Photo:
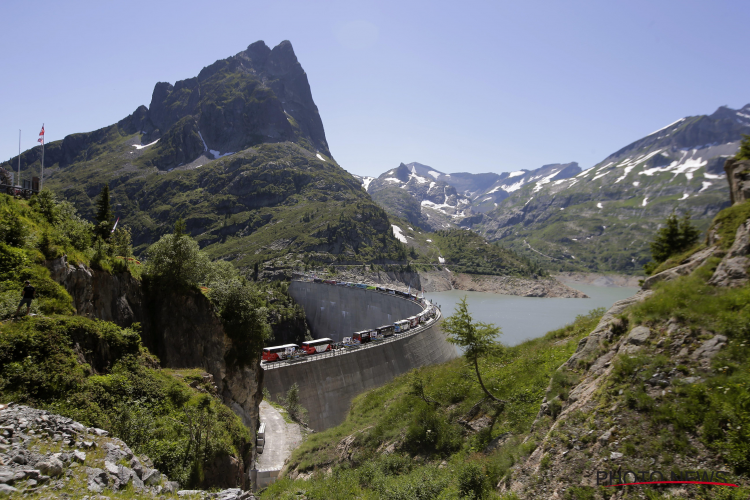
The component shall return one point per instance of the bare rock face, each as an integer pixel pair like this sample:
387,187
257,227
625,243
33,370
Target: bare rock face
732,270
99,295
738,175
686,267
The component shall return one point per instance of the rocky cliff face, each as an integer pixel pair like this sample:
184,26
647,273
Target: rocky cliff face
180,327
99,295
738,175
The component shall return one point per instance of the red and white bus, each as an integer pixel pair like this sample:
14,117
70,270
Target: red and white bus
316,346
279,352
413,321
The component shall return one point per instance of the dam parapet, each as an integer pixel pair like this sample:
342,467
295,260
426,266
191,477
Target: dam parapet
328,382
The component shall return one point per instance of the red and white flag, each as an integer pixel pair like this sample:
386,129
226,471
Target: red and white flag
41,135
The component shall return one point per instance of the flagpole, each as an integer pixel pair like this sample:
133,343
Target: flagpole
41,184
19,157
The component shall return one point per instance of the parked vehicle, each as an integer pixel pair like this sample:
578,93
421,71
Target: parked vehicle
316,346
385,330
279,352
401,326
363,337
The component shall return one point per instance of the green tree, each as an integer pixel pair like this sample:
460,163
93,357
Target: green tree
46,204
677,236
477,339
176,259
122,242
243,316
744,152
103,216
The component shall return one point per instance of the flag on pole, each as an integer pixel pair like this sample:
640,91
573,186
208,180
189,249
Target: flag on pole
115,226
41,136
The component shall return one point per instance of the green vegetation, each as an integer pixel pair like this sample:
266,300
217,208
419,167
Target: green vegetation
478,340
728,221
100,375
676,237
744,152
711,408
412,438
103,215
293,408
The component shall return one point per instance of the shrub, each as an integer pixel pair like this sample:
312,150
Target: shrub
472,482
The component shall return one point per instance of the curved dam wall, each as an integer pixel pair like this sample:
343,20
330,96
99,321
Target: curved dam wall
338,311
329,384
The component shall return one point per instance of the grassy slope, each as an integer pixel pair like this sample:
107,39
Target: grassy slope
254,206
423,436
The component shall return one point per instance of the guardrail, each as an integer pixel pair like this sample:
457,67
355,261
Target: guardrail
348,350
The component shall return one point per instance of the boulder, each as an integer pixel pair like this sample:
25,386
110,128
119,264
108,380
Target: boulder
151,477
710,347
638,335
6,489
50,467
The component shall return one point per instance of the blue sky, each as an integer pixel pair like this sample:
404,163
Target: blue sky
460,86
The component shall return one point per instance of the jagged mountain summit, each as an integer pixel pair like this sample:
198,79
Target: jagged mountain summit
239,152
436,200
259,95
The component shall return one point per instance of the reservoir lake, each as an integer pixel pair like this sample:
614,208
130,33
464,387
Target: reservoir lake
523,318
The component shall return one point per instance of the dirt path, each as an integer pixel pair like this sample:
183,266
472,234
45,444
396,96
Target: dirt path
281,438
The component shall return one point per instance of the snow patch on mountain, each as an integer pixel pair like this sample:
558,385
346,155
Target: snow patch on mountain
398,234
515,174
366,181
544,181
512,187
141,146
434,174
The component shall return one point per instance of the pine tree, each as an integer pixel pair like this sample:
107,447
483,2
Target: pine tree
103,214
677,236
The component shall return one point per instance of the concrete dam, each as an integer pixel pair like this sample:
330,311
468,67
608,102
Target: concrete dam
329,383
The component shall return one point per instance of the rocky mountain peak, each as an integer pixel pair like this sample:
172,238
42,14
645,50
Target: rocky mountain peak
259,95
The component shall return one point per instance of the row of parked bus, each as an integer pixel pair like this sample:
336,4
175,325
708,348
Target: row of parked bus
288,351
367,287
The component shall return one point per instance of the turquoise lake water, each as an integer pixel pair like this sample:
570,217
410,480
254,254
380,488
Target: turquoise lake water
523,318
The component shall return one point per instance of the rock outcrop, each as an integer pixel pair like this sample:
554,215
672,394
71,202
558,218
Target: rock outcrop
77,455
180,327
100,295
738,175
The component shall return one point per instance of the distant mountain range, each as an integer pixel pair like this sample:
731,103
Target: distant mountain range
599,219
